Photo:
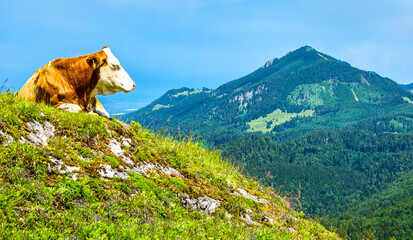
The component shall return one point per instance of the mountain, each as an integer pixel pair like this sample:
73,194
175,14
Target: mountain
79,176
407,87
313,126
300,92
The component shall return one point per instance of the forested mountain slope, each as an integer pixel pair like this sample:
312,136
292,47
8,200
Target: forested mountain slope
359,180
386,214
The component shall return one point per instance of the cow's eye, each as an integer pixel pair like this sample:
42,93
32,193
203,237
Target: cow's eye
116,67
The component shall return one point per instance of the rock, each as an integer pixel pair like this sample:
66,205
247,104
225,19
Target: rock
249,211
169,170
108,172
207,204
74,176
69,169
189,203
236,194
126,142
57,166
40,132
203,204
7,139
268,220
248,195
115,147
128,161
228,215
143,168
248,220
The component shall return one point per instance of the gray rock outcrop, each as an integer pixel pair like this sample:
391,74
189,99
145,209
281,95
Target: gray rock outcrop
40,132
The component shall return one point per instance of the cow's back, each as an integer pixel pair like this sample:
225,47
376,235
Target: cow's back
29,89
56,82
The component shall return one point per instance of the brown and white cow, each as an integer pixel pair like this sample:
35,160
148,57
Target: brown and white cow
72,84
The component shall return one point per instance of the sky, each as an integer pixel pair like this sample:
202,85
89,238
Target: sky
169,44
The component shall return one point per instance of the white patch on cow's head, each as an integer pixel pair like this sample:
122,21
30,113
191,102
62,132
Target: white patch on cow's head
113,78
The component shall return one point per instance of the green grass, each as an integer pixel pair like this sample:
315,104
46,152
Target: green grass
267,123
38,204
187,93
310,95
406,99
160,106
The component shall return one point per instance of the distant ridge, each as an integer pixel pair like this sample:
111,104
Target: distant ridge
407,87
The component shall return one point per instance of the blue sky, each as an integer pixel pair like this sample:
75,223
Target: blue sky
165,44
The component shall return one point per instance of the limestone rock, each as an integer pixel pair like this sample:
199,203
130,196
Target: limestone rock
208,205
248,220
7,139
203,204
40,132
108,172
248,195
169,171
128,161
126,142
115,147
291,229
58,166
268,220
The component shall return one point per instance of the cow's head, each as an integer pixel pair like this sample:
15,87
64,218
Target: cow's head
113,78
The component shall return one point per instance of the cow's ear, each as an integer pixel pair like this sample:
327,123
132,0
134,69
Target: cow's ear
93,62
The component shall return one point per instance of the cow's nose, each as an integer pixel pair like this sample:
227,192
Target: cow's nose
133,87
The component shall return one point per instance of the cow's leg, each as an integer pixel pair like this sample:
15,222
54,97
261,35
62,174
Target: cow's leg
99,109
70,107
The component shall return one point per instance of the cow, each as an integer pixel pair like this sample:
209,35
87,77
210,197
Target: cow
71,84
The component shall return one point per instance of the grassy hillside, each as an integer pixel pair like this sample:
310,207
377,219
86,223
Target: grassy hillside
79,176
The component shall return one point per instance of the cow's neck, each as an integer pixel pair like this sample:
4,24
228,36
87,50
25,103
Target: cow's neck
83,84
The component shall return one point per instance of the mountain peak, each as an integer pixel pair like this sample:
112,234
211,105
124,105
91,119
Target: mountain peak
305,49
301,50
269,63
305,53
